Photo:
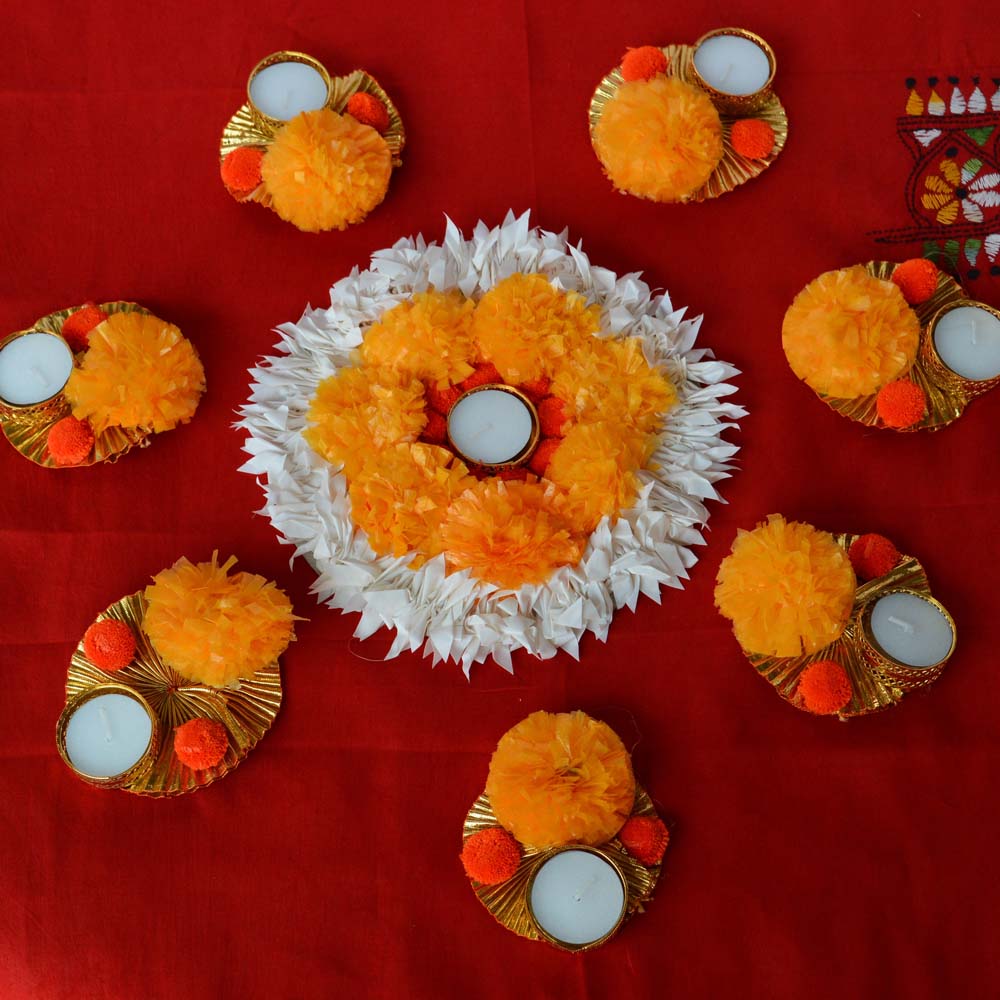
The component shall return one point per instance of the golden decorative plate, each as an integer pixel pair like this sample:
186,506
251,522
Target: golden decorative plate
27,428
872,693
247,711
947,396
734,169
508,901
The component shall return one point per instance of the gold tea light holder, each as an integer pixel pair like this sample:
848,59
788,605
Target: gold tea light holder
947,393
510,902
247,710
878,681
526,452
733,169
27,426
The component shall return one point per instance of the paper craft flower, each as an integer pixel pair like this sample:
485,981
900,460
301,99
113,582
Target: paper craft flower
491,856
846,334
966,188
787,587
659,139
201,743
561,779
348,430
214,628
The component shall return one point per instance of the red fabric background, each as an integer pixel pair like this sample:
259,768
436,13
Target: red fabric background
810,858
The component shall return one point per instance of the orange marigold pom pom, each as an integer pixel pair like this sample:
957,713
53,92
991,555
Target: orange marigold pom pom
485,374
659,139
872,556
552,416
70,441
752,138
901,404
109,644
436,431
543,455
442,400
77,326
644,62
368,110
848,333
645,838
240,170
917,279
491,856
561,779
201,743
536,389
824,687
787,587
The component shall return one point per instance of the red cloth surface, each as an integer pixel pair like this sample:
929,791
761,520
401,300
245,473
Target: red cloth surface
809,858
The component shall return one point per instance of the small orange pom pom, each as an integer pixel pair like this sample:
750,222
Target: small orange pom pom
485,374
537,389
241,170
436,431
872,556
368,110
901,404
643,62
752,138
917,279
491,856
442,400
109,644
824,688
70,441
645,838
552,416
543,455
201,743
77,326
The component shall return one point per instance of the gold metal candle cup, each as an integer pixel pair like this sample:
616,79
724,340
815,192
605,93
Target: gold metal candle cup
525,453
266,123
586,945
55,402
140,767
738,105
943,375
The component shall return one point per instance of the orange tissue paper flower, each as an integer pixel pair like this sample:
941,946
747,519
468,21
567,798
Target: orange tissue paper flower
215,628
787,587
360,411
526,326
109,644
917,279
847,333
368,110
561,779
872,556
643,62
659,139
326,171
901,404
70,441
824,687
485,373
510,533
752,138
77,325
645,838
491,856
426,337
139,372
201,743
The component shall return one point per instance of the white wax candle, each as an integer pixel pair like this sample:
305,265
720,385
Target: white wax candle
968,341
286,89
911,630
490,426
577,897
107,734
732,64
34,368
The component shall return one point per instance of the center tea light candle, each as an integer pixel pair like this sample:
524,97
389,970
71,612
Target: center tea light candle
967,340
912,630
34,367
493,425
577,898
282,88
736,67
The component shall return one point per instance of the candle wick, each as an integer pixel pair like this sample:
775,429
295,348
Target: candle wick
106,723
904,625
972,325
725,76
38,374
482,431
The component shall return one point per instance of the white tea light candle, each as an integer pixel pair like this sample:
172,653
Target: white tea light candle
911,630
286,89
491,426
33,368
732,64
577,897
108,734
967,340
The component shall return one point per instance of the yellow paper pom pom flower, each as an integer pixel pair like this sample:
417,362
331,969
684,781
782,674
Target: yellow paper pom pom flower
213,628
846,334
787,587
401,497
561,779
659,139
510,533
326,171
427,337
527,327
359,411
138,371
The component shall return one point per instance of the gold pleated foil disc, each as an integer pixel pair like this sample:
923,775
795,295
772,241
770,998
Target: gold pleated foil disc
247,712
733,169
508,901
27,428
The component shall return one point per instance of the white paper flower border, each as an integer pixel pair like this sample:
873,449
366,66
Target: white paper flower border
453,616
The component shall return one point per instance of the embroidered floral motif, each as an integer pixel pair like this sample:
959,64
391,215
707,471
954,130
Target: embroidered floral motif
954,187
